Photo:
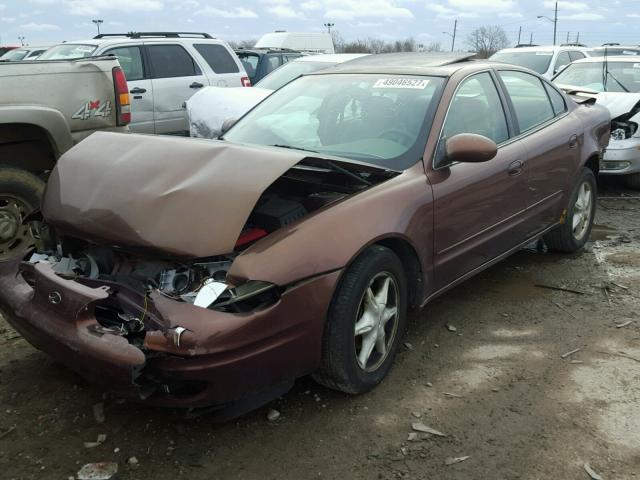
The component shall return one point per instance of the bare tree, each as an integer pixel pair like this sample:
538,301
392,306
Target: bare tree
486,41
242,43
433,47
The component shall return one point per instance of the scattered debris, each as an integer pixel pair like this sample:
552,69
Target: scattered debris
621,354
429,384
620,325
7,432
408,346
454,395
568,354
619,286
404,451
505,315
421,427
98,412
576,362
496,390
592,473
564,309
100,440
273,415
606,294
133,462
412,437
559,289
416,414
454,460
451,328
98,471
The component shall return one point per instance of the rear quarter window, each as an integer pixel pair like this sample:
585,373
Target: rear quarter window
168,61
557,100
217,57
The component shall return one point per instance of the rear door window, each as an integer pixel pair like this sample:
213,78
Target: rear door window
529,98
273,62
249,62
217,57
563,60
168,61
130,59
575,55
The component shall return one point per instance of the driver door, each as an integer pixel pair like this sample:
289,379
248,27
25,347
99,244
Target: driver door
478,207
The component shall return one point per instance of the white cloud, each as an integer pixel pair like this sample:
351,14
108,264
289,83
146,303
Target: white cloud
235,12
95,7
633,15
39,27
566,5
352,9
481,4
311,5
8,19
583,17
2,6
514,15
448,13
284,11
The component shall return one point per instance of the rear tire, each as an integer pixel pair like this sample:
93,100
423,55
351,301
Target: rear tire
632,181
365,323
20,194
574,232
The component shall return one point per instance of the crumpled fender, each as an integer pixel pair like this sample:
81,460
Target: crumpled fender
331,237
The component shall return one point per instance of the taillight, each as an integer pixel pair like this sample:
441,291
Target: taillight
123,107
245,81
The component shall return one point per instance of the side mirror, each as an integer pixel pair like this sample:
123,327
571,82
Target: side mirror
226,125
470,148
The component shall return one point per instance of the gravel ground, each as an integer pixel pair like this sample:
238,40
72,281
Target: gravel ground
498,387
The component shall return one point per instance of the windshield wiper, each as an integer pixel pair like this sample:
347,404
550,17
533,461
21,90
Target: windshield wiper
617,81
335,167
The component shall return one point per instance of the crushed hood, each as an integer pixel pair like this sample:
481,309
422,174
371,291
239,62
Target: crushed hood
182,196
618,103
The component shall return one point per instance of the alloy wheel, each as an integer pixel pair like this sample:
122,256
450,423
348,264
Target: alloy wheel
582,211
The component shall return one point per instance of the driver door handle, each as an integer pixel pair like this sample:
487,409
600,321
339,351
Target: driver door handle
515,168
138,90
573,141
196,85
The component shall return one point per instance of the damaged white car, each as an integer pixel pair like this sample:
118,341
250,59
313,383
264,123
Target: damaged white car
615,83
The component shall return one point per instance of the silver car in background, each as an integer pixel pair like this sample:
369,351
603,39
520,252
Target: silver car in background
615,83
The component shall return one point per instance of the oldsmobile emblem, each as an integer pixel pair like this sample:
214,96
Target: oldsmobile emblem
55,298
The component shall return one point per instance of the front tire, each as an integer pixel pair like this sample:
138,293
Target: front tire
365,323
20,195
574,232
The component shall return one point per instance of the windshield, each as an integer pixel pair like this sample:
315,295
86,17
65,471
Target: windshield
288,72
622,76
15,55
381,119
536,61
68,51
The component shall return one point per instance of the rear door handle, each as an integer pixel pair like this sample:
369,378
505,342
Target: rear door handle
515,168
196,85
573,141
138,90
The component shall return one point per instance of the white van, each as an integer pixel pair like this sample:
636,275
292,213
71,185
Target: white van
303,42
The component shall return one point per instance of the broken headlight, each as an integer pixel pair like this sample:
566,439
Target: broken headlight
622,129
252,295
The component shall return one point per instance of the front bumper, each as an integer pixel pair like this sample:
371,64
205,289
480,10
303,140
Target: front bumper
621,157
220,358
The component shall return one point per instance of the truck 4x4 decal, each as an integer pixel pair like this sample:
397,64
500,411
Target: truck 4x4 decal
93,109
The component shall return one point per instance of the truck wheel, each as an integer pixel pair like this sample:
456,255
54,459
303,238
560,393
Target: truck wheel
633,181
20,195
365,323
574,232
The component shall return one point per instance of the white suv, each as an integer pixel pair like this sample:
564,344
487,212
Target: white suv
547,61
163,70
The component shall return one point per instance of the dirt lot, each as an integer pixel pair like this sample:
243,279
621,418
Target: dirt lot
498,387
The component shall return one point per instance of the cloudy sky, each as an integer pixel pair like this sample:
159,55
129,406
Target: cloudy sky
50,21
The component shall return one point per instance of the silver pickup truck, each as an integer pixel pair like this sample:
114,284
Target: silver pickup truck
46,107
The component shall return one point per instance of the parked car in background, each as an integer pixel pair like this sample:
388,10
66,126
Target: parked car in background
45,109
260,62
614,49
23,53
211,107
304,42
163,70
615,83
195,272
546,61
5,48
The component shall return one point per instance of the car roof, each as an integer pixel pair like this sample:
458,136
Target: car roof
542,48
98,42
330,58
611,58
265,50
408,63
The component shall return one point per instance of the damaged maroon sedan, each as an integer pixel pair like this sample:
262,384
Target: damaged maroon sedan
192,272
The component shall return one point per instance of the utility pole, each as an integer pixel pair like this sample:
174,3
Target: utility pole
578,38
329,25
531,39
519,34
455,29
567,37
555,24
97,21
21,41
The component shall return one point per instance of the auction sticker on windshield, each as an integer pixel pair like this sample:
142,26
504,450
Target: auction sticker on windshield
401,83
